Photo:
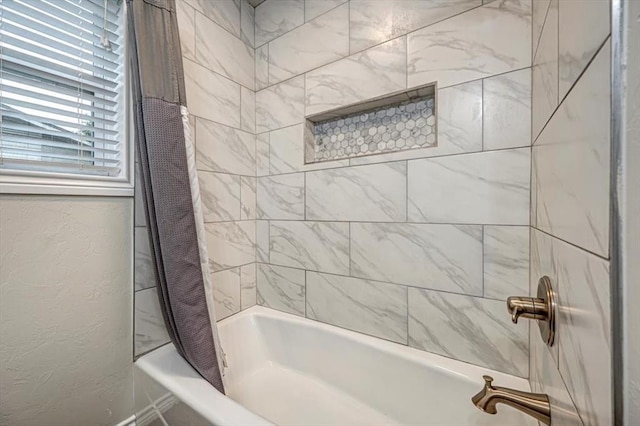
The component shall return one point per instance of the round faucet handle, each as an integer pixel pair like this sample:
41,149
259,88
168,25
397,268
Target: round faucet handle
487,380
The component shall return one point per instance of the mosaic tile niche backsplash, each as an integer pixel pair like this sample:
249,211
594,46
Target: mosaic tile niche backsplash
400,126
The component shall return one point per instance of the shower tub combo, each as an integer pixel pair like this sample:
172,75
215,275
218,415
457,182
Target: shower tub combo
287,370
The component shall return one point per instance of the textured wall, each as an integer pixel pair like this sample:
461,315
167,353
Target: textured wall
570,205
419,247
65,310
218,55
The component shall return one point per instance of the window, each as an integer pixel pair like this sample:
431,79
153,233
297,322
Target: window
62,86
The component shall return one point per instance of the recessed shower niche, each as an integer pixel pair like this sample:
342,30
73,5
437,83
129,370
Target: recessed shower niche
397,122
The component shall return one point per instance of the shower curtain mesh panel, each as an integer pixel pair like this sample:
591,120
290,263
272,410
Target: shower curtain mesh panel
158,94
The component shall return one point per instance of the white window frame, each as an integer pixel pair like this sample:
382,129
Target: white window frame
26,182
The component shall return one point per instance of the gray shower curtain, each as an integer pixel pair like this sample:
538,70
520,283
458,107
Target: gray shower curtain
169,185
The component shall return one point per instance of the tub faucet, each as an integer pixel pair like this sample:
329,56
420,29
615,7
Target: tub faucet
533,404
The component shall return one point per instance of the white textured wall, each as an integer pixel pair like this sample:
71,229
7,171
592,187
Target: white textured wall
65,310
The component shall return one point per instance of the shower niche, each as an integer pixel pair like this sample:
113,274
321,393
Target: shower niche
397,122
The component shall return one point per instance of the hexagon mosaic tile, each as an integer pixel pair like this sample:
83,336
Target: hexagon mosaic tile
407,125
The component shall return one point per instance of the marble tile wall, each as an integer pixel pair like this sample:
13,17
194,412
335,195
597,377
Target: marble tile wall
217,39
388,245
570,205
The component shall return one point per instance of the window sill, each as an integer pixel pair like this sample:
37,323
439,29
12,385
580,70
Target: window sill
57,187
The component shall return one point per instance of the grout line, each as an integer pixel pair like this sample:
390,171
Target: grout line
375,46
558,57
373,222
399,160
482,98
482,241
348,27
407,316
350,271
217,72
222,124
305,294
390,93
218,25
390,283
549,234
544,21
553,113
406,191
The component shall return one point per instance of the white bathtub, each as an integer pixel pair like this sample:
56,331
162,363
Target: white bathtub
288,370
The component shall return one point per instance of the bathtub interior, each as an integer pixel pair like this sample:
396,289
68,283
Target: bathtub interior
294,371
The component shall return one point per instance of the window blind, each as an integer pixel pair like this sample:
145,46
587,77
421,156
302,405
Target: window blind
61,75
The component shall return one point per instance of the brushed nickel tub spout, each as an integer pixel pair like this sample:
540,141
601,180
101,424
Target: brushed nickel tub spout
534,404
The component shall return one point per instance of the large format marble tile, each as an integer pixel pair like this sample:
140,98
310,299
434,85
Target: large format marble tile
210,95
281,197
571,160
280,105
313,8
482,42
539,10
544,73
490,187
247,23
318,246
442,257
225,13
460,118
286,152
150,331
224,53
281,288
318,42
276,17
583,27
545,378
248,286
376,193
220,194
506,107
230,244
262,67
459,126
220,148
262,154
186,26
262,241
286,149
581,282
376,21
247,110
248,198
226,292
468,328
143,263
369,74
506,261
374,308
